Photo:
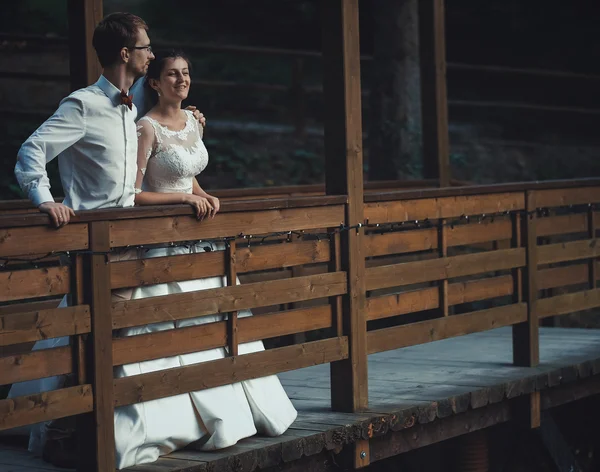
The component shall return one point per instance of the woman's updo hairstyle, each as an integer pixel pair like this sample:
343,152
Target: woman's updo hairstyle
158,64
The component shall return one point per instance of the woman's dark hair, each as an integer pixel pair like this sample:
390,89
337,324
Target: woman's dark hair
158,64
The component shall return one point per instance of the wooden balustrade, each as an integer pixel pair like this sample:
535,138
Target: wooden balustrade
453,275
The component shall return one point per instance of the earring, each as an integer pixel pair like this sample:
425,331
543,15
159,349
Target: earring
158,92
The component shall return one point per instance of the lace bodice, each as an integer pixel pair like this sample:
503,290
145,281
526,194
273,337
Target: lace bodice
172,158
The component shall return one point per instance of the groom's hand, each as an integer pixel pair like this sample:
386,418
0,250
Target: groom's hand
59,213
199,116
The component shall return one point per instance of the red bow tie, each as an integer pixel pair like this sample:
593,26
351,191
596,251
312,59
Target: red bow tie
126,99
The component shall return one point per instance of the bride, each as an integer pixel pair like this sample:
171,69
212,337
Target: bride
170,154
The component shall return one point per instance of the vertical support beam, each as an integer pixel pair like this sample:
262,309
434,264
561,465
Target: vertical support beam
84,15
78,298
434,97
344,175
526,343
96,431
592,270
517,274
335,265
232,317
443,252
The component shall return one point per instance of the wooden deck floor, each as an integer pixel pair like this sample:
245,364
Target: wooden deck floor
466,380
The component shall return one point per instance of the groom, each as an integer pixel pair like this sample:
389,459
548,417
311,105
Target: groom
93,134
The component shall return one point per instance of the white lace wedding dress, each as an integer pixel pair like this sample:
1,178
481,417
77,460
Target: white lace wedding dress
218,417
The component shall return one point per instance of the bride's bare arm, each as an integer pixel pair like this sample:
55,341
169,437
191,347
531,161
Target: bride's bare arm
201,205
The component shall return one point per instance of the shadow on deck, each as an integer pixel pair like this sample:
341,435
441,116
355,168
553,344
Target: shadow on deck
418,395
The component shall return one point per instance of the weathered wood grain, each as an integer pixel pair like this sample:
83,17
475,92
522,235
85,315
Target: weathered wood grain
428,298
568,303
36,365
170,382
30,409
169,343
31,283
444,207
182,228
568,251
43,324
224,299
443,268
566,196
42,240
434,330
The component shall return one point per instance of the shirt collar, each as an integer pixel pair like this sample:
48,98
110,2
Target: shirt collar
109,89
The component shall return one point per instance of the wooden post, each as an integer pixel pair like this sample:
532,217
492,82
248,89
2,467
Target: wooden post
434,99
232,317
335,265
84,15
593,273
78,298
526,345
344,175
96,432
443,252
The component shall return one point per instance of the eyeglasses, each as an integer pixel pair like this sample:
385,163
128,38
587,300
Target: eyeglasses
147,48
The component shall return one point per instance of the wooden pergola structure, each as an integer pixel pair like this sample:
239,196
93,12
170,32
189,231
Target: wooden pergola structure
385,254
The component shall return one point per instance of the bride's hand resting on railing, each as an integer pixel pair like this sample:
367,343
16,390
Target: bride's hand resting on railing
201,205
216,205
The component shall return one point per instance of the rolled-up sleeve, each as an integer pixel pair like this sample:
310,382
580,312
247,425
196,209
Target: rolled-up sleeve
63,129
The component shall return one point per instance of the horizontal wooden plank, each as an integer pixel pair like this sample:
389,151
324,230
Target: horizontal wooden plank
563,276
444,207
568,251
181,228
400,242
158,270
36,365
26,307
428,298
191,378
447,327
31,409
42,240
43,324
22,284
213,335
274,256
425,239
568,303
160,211
225,299
209,264
443,268
563,224
567,196
480,189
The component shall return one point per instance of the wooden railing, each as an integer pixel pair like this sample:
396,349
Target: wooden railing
429,253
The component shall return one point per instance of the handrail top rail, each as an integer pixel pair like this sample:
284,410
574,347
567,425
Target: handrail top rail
86,216
259,193
415,194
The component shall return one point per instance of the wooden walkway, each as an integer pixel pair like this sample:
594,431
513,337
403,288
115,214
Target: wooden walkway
466,382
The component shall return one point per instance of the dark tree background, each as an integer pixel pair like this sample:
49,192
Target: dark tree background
251,137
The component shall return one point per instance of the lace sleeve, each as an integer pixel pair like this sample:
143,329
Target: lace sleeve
146,142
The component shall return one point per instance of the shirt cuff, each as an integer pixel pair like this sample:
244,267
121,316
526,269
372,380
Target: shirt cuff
40,195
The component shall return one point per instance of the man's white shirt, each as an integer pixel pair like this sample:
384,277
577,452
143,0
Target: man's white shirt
95,139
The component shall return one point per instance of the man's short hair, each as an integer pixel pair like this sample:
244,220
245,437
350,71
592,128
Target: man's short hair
114,32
